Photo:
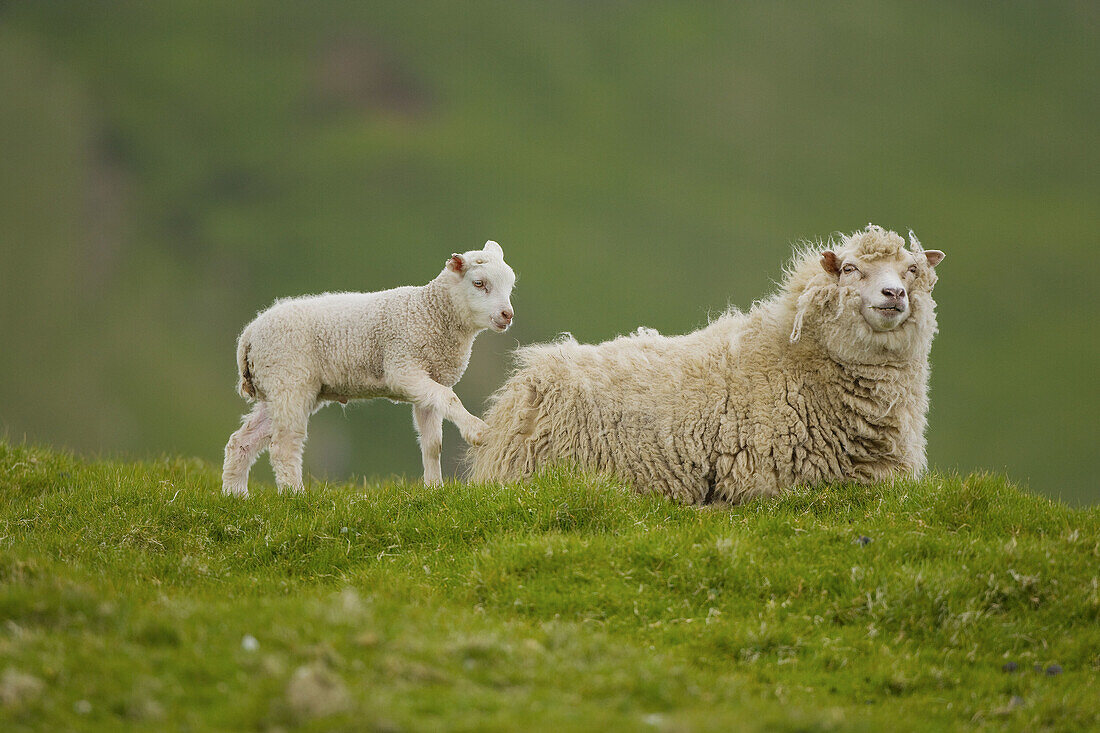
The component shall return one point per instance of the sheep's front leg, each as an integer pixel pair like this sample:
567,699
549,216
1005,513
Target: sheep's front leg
423,391
429,428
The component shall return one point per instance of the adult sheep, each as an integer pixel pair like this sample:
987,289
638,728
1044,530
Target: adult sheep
826,380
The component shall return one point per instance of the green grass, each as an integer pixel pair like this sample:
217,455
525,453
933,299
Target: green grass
126,590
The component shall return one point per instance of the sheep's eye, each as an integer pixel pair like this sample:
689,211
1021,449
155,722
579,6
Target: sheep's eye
850,268
913,269
479,284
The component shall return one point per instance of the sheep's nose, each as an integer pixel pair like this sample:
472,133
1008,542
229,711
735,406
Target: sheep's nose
895,293
506,316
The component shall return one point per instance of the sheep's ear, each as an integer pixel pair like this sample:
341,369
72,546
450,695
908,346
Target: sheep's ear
830,263
457,263
934,256
494,248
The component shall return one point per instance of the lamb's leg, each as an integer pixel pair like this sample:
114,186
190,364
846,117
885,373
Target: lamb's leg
424,391
242,449
429,428
289,419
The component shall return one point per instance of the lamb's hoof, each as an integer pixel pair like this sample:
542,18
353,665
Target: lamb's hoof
240,491
292,490
478,434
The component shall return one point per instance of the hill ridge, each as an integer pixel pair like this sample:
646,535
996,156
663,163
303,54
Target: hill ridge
134,593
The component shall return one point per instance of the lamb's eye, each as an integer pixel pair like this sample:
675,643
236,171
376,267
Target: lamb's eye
480,284
912,269
850,268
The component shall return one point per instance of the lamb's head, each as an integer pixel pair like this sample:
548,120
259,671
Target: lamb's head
482,285
873,293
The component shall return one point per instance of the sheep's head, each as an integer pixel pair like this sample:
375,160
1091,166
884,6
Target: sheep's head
884,286
483,283
877,265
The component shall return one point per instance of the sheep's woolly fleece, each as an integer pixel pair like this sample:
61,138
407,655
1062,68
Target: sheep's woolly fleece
799,390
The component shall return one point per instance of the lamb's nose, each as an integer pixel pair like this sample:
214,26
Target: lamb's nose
506,315
895,293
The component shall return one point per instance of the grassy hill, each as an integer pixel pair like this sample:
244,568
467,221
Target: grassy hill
134,593
171,168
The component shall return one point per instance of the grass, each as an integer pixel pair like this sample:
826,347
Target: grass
135,594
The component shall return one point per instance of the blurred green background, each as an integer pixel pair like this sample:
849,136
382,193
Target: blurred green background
171,168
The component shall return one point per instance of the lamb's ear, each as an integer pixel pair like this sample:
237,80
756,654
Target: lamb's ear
457,263
934,256
830,263
494,248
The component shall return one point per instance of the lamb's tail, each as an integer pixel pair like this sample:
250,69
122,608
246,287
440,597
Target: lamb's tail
246,388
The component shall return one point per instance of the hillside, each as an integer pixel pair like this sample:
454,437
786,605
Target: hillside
134,593
171,168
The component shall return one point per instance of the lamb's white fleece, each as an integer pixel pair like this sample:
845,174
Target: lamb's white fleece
409,344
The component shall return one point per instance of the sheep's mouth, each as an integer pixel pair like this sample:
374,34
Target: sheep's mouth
498,326
886,317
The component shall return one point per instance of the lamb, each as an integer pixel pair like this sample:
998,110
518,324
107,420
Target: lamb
408,344
827,380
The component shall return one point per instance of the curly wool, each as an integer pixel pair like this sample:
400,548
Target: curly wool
799,390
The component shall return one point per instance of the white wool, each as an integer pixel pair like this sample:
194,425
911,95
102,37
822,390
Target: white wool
408,344
824,381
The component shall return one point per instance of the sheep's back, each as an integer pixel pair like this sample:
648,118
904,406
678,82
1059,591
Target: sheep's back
332,340
645,407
